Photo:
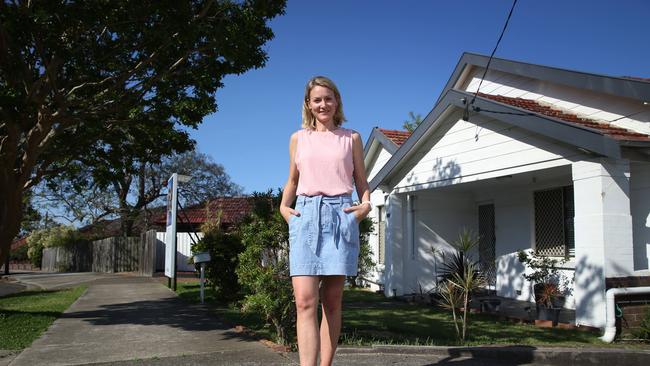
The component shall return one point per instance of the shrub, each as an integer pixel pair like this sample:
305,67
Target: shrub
643,332
224,249
263,268
365,263
58,236
461,277
19,254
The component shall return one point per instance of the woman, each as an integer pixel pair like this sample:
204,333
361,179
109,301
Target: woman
325,159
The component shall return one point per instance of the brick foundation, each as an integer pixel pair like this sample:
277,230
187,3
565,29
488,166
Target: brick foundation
633,306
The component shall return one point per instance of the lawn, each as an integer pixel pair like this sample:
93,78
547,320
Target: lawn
370,318
26,315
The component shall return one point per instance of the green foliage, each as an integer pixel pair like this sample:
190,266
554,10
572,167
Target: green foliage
224,249
413,122
19,254
643,332
113,86
58,236
365,263
264,266
461,277
544,269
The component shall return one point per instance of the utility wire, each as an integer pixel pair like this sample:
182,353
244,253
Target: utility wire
494,50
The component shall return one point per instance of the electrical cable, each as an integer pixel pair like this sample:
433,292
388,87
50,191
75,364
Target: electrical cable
487,67
503,31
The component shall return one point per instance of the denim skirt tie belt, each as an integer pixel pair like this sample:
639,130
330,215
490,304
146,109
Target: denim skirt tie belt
323,238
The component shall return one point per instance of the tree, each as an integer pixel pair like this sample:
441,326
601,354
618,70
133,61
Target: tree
413,122
75,75
99,191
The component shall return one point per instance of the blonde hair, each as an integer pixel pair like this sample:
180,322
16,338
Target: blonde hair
308,119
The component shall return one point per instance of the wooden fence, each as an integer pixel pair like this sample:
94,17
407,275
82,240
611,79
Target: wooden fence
144,255
75,258
117,254
147,259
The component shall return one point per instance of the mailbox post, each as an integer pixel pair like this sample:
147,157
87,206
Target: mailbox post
202,258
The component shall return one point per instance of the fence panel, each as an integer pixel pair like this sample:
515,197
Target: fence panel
183,250
127,254
74,258
104,255
148,254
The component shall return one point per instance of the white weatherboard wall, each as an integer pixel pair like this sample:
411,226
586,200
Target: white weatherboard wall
603,233
438,219
622,112
481,149
640,206
382,157
394,269
183,250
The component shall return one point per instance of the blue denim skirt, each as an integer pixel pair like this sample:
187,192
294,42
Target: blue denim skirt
323,240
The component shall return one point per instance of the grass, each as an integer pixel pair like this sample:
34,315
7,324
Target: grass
370,318
392,322
26,315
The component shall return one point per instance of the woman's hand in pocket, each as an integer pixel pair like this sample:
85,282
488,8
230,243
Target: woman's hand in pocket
359,211
287,212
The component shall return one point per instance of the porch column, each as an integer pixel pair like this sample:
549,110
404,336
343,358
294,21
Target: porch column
603,233
393,260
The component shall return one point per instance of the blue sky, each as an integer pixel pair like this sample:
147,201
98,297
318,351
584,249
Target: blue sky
392,57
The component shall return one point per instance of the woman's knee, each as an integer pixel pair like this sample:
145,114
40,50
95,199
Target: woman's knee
306,302
331,300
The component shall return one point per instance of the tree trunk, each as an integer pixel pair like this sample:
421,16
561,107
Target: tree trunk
11,213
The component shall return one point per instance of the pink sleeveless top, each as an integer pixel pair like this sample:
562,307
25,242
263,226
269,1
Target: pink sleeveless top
324,161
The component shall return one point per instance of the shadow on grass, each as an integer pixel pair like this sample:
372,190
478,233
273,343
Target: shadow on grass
395,322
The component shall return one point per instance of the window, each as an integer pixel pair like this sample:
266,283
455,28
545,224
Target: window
554,212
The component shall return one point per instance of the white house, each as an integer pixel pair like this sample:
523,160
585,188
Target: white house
542,158
381,145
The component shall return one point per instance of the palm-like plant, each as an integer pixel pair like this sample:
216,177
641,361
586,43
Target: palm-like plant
461,277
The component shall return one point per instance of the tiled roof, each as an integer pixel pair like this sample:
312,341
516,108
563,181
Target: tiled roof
397,136
647,80
233,210
18,243
614,132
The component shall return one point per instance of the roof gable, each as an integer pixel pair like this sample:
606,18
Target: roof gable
635,88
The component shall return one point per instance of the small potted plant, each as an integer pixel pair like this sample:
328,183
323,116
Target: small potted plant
544,276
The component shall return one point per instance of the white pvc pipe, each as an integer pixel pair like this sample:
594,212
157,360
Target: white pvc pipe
610,319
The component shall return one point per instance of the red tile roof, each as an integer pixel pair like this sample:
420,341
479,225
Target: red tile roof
614,132
18,243
647,80
233,210
397,136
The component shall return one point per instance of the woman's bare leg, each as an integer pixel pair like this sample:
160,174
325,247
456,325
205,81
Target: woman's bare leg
305,291
330,328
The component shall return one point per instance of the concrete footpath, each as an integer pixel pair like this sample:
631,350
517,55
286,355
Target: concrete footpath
130,319
125,320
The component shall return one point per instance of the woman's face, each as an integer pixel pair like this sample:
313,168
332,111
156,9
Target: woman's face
322,103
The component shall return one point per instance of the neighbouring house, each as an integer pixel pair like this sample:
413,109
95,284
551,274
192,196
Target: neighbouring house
381,145
229,211
542,159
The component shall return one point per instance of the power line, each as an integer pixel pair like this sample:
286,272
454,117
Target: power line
487,67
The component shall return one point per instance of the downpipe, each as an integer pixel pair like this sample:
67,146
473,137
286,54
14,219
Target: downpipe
610,314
